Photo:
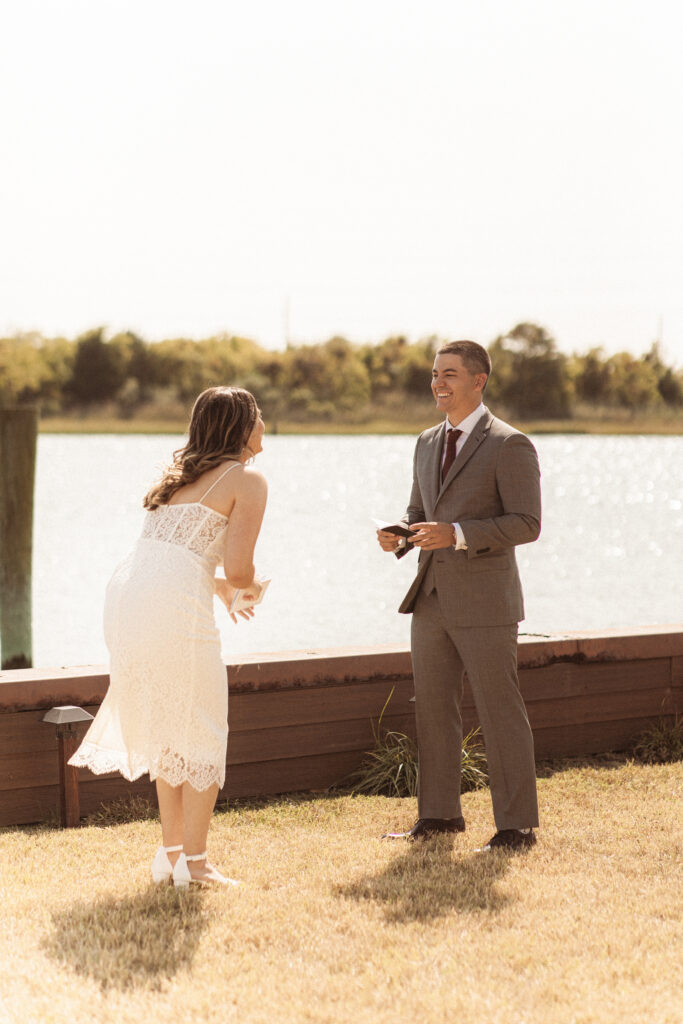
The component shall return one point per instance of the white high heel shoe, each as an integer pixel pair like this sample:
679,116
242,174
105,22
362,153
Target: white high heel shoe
162,869
182,877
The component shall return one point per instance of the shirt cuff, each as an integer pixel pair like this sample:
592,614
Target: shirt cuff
460,542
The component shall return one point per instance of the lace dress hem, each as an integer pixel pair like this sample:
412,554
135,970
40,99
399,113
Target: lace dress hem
171,768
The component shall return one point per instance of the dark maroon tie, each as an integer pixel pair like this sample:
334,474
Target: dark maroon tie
449,458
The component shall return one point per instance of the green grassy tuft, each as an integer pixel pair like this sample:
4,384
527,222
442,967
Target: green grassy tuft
662,743
391,767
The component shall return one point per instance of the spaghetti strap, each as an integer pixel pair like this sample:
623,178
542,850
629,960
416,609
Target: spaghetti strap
218,480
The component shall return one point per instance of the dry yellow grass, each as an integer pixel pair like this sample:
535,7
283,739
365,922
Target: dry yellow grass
332,924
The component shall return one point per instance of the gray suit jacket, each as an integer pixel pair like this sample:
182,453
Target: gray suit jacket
493,491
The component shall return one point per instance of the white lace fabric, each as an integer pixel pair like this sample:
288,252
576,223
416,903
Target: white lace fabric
171,767
165,711
192,526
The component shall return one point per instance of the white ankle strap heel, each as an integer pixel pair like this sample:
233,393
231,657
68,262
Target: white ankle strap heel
182,876
161,865
181,873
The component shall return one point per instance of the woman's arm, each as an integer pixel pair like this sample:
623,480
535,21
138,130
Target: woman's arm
244,526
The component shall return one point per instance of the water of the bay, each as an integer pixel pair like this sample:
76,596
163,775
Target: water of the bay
610,554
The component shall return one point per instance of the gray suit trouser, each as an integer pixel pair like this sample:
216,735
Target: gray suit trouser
441,655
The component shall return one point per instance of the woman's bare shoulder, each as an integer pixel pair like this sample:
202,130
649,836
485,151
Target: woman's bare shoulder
244,482
253,481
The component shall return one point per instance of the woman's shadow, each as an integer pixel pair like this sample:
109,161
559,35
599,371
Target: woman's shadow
427,882
143,939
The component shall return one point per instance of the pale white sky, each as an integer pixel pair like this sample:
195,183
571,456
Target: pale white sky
380,166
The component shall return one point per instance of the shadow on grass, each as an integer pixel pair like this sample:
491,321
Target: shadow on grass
426,882
141,940
611,761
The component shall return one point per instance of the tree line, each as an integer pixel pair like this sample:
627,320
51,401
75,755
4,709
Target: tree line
127,375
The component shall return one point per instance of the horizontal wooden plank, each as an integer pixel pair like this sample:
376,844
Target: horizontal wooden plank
595,708
588,738
274,709
100,790
287,776
25,731
28,689
25,806
677,679
38,768
603,645
565,679
26,770
41,803
20,770
306,740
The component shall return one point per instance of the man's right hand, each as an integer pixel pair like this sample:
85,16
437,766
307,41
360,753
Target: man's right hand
388,541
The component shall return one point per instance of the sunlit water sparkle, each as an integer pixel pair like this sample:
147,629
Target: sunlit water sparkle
610,554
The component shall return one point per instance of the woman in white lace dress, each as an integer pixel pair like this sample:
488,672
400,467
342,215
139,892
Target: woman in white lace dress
166,708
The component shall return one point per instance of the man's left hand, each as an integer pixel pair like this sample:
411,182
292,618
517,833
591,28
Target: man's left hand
431,536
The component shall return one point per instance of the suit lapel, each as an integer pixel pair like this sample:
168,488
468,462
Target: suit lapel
481,429
433,466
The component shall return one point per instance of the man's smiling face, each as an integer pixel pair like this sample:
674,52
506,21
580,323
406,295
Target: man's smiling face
457,392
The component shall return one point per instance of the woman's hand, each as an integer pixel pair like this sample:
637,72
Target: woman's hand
227,593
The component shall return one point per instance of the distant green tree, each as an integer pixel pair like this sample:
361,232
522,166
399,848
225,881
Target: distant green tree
348,375
57,356
135,359
99,369
529,375
633,382
189,366
669,383
592,378
20,369
416,372
320,379
670,387
384,364
171,362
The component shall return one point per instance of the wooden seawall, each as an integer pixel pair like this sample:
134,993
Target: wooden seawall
302,720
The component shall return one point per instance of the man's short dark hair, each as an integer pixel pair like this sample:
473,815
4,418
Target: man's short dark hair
475,357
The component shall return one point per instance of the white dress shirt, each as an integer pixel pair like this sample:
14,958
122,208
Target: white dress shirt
466,427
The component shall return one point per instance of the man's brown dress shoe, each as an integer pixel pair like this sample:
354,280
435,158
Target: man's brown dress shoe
509,839
424,827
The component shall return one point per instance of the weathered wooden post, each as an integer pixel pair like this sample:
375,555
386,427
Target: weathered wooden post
18,436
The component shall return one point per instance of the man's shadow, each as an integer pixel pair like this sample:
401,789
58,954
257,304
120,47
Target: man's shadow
425,882
121,943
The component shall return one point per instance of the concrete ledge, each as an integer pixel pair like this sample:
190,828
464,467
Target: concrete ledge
302,719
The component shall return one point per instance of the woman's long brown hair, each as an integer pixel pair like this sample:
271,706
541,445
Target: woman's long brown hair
222,420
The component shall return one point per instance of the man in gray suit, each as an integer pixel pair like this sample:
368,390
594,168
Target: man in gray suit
475,497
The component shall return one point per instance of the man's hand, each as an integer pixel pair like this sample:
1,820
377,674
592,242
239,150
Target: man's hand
388,541
431,536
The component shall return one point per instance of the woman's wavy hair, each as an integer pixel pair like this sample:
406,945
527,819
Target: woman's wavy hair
222,420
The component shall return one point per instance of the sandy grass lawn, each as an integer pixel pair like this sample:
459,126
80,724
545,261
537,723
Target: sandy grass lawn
332,924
